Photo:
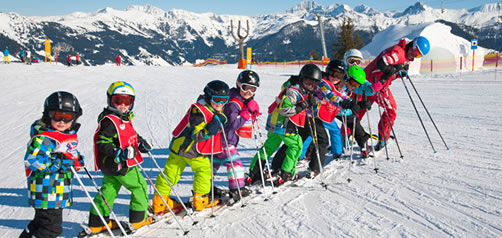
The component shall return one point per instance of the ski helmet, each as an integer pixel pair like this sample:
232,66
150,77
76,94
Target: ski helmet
61,101
421,46
352,53
312,72
216,88
249,77
120,87
335,65
357,74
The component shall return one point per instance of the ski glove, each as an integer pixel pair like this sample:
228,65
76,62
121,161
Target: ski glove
377,86
299,107
245,114
253,108
215,125
365,104
128,153
347,103
144,146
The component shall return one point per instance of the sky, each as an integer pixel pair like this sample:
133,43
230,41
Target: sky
253,8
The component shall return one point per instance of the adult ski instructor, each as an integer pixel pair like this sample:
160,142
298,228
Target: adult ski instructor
390,64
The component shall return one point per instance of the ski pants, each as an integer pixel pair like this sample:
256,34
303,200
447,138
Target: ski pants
6,59
236,170
47,223
133,181
322,140
335,137
175,165
385,100
294,145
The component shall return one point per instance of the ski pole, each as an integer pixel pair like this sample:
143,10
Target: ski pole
265,154
419,118
92,202
212,177
172,188
163,200
352,146
371,134
393,132
229,156
106,202
313,132
253,130
423,104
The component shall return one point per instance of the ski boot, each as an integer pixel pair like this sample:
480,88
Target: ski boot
311,174
365,151
283,177
234,193
380,145
136,225
202,201
160,208
96,226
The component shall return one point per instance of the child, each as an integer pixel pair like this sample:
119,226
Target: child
50,154
286,116
240,110
196,137
116,146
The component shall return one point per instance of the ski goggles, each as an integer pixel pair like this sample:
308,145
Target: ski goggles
248,88
353,83
122,99
220,99
62,116
337,74
416,52
354,61
310,82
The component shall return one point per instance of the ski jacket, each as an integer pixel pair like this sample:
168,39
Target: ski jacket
191,139
283,118
47,187
77,57
6,52
235,122
329,109
391,56
114,133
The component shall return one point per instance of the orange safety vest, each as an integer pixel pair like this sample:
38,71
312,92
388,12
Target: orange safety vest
203,147
127,137
65,144
327,111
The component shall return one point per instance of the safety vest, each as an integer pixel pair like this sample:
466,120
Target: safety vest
65,144
203,147
327,111
127,137
245,131
297,119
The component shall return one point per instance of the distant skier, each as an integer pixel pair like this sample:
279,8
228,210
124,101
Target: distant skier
22,56
240,111
118,60
382,71
197,136
6,55
51,152
28,57
77,59
117,147
68,60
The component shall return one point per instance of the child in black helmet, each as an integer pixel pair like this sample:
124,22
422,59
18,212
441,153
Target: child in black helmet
51,153
196,138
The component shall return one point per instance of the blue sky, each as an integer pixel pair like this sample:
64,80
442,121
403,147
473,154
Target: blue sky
247,8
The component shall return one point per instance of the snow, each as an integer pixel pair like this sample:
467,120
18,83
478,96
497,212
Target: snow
452,193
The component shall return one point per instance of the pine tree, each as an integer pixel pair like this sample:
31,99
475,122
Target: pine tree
346,39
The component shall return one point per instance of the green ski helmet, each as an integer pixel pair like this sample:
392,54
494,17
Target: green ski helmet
357,74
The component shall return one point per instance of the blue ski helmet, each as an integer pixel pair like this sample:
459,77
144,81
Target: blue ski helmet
421,46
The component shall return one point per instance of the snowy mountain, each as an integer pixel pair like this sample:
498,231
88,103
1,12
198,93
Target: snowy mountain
147,35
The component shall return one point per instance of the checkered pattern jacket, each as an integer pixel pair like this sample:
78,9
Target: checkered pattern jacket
46,189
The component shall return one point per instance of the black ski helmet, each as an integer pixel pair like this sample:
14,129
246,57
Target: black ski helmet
249,77
335,64
61,101
312,72
216,88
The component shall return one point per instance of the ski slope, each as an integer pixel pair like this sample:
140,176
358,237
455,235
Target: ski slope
451,193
